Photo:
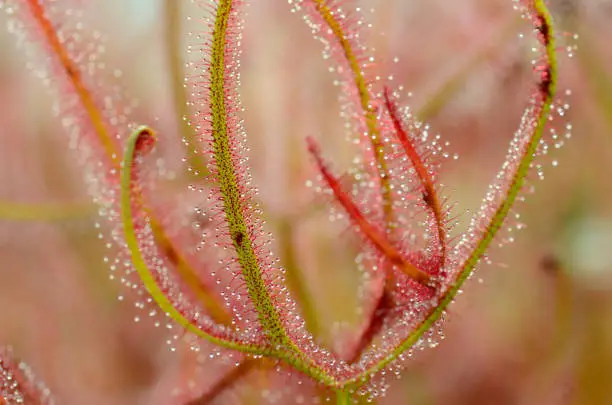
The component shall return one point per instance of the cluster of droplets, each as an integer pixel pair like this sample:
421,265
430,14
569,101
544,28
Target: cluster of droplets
18,384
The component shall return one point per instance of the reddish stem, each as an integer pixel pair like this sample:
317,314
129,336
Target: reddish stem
37,10
383,307
430,195
371,233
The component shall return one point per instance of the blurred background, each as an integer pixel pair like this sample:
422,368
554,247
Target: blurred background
533,327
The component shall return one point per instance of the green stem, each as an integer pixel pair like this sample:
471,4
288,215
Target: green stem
230,187
231,192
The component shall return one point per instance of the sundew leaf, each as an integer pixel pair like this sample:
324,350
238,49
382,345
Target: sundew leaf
238,229
417,328
238,226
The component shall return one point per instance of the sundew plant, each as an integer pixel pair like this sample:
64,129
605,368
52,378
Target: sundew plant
208,269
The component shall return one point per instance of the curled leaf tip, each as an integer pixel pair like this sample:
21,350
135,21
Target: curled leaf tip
141,142
145,139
